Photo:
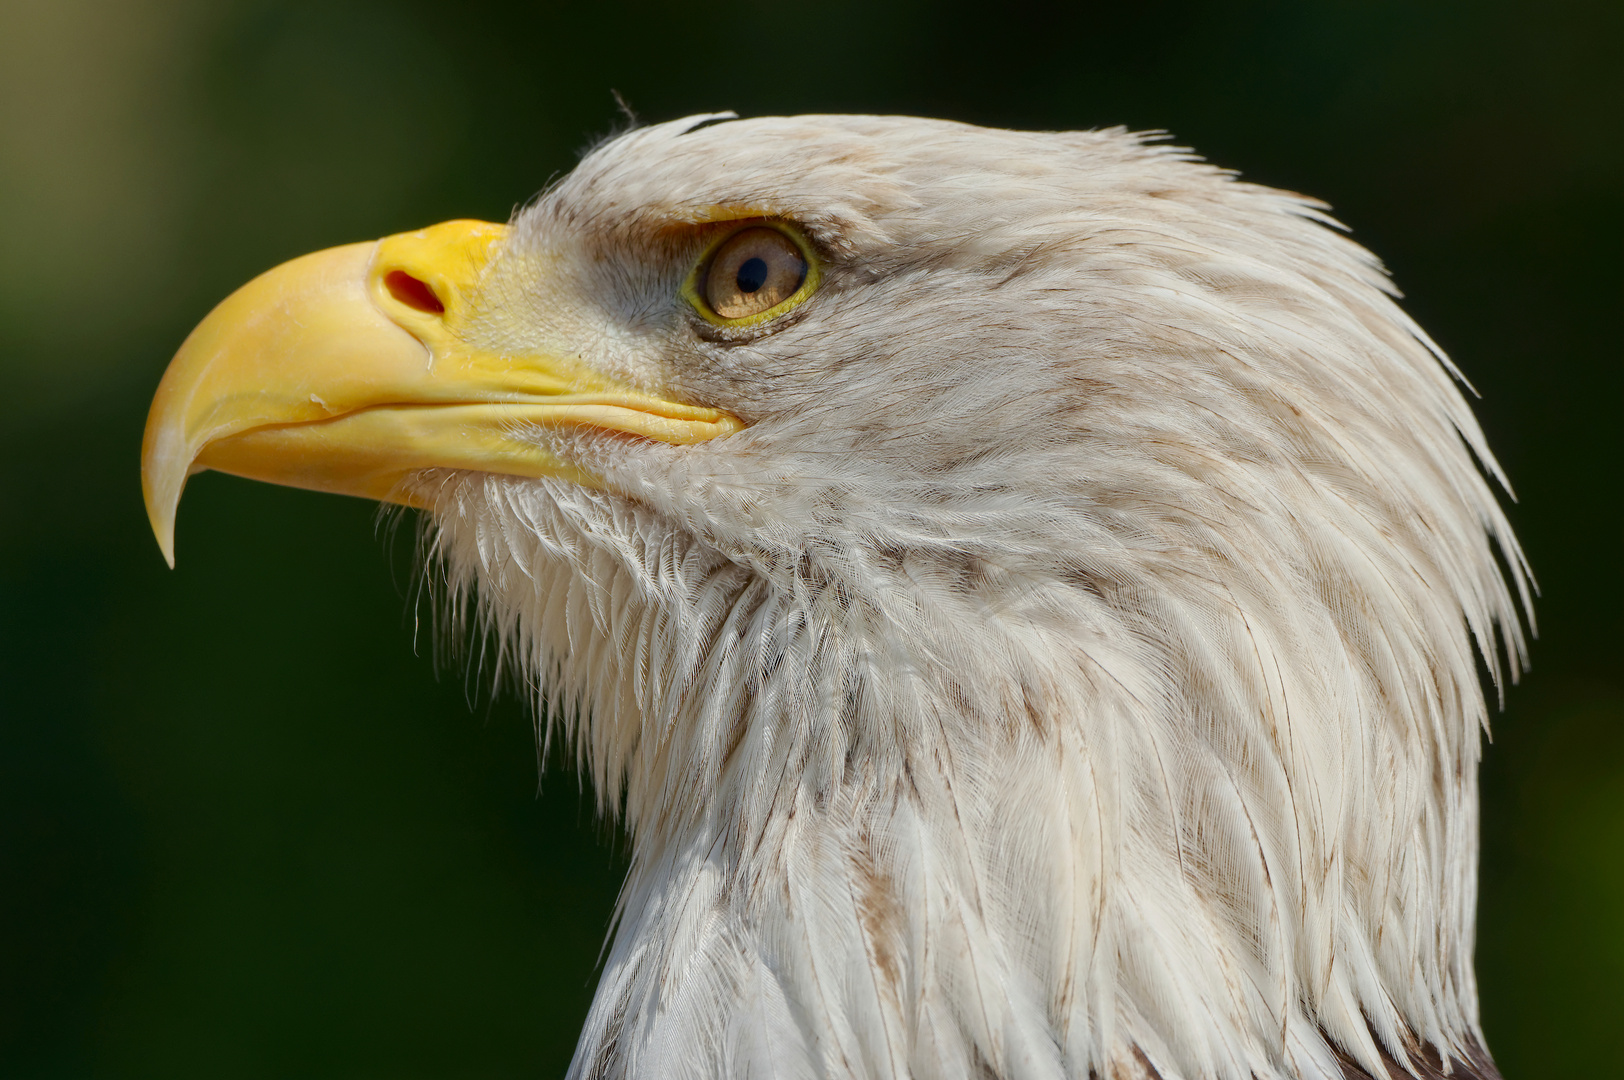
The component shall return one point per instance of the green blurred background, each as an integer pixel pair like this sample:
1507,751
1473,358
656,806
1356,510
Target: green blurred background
247,830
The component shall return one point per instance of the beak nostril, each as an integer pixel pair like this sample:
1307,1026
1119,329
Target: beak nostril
413,292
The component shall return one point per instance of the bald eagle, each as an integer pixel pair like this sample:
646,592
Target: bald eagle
1022,591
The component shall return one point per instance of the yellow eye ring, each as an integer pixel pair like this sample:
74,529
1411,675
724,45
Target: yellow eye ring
699,292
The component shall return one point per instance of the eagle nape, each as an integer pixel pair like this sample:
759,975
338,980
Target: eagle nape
1024,591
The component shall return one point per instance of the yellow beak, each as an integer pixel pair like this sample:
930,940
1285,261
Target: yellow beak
348,371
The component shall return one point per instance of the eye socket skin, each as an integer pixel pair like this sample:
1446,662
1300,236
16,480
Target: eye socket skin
752,275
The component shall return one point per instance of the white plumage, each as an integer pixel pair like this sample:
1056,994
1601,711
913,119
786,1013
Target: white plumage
1069,667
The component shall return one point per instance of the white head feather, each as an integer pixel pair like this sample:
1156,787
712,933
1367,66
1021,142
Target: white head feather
1070,670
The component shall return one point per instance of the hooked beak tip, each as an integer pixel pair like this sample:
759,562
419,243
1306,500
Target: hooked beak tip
161,486
163,530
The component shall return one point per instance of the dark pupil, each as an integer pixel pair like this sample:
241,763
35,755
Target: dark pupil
752,275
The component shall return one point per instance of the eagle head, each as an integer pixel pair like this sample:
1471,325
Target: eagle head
1023,591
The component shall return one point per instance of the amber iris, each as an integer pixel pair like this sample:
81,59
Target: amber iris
754,271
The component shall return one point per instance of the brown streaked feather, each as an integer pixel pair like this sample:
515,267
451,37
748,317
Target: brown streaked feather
1426,1065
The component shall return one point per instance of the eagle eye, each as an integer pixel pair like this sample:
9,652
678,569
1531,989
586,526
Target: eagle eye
753,275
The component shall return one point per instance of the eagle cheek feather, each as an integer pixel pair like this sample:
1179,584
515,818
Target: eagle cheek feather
1023,591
